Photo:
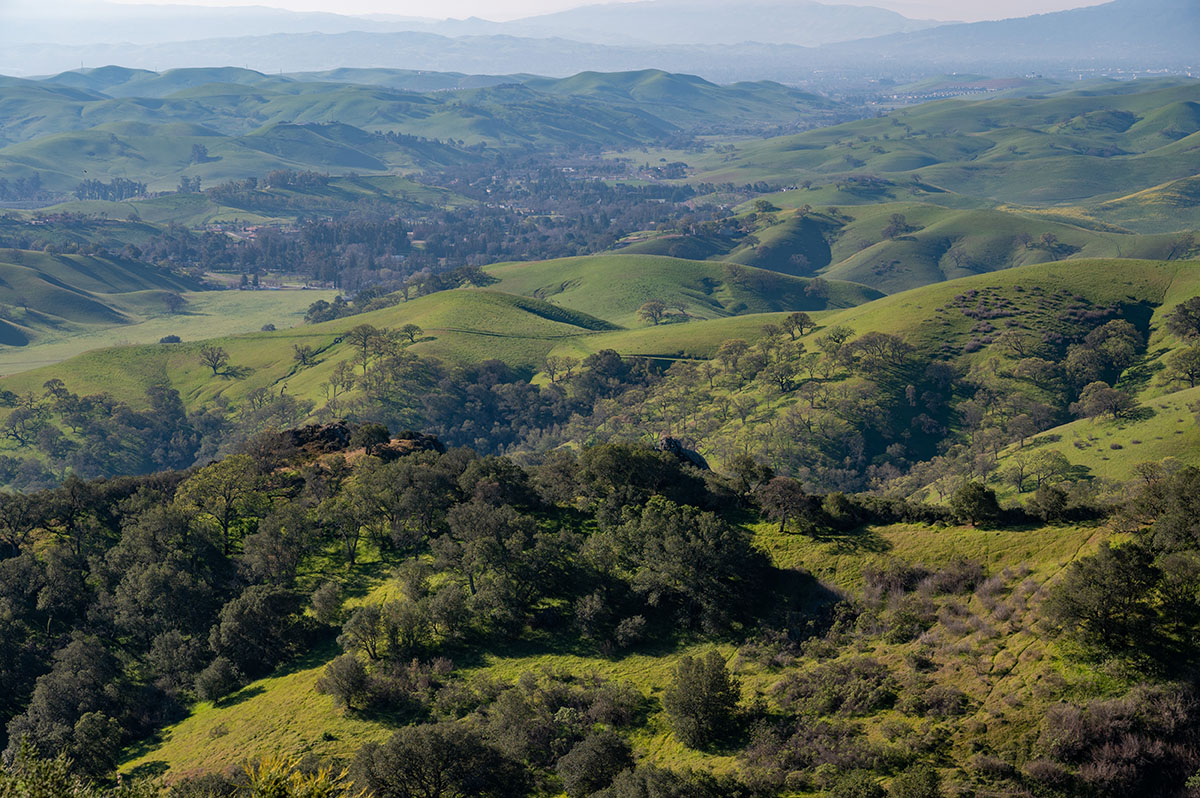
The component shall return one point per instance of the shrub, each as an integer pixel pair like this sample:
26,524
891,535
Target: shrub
268,327
918,782
975,504
218,680
944,701
367,436
631,631
652,782
960,576
327,603
170,339
592,764
846,687
1144,743
210,785
702,701
448,754
859,784
346,680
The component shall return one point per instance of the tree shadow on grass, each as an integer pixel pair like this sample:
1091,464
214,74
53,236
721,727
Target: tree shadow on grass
236,372
149,770
245,694
1139,413
854,541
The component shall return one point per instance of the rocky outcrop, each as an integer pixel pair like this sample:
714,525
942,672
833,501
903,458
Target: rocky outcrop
320,438
408,442
675,447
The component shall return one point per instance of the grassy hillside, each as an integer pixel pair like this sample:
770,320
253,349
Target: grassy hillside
613,287
459,326
696,340
206,314
920,315
806,421
947,244
689,101
1164,208
144,125
41,294
1064,149
1167,429
575,306
894,245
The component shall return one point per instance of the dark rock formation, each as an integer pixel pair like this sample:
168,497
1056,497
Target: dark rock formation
675,447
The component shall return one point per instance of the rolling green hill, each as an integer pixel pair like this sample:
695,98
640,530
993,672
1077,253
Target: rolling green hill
144,125
1164,208
41,293
519,321
931,243
460,326
688,101
1069,148
914,314
613,287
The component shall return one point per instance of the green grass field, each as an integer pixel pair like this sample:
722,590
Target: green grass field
1111,450
692,340
207,314
913,314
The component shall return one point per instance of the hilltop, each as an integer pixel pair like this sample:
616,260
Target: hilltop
614,287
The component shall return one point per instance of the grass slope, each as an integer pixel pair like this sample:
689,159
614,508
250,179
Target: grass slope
207,314
856,243
1110,450
613,287
1069,148
43,295
915,314
460,326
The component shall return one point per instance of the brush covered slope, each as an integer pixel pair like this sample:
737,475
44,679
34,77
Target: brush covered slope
920,390
599,623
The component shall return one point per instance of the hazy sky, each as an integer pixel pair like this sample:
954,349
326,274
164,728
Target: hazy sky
967,10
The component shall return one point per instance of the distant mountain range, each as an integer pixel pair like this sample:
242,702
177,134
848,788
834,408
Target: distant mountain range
662,22
1131,34
650,22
